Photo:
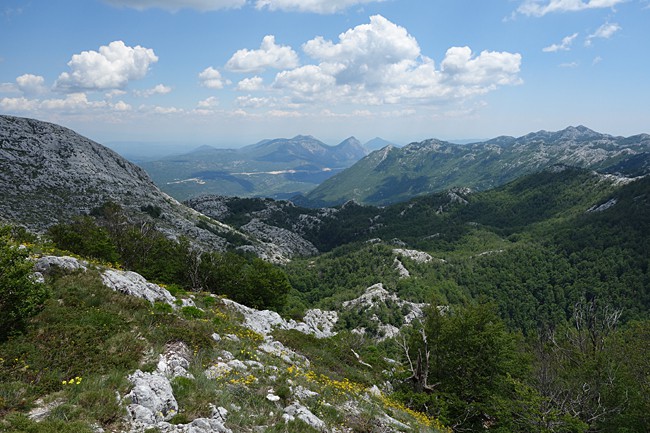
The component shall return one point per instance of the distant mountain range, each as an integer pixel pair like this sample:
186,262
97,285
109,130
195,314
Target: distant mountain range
279,168
395,174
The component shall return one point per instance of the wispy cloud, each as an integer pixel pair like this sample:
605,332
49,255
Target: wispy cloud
540,8
605,31
176,5
565,45
159,89
314,6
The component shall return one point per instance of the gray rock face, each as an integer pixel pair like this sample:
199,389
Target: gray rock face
317,322
415,255
376,295
50,174
289,243
288,240
152,398
299,411
175,361
59,172
134,284
47,264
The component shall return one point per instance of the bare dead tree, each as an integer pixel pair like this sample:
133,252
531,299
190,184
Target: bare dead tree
420,368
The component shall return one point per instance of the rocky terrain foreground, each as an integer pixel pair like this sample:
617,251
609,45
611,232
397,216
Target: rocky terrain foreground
250,366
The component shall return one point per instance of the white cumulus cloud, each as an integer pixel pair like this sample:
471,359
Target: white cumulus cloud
316,6
269,55
381,63
72,103
365,52
209,102
212,79
112,67
565,45
31,84
540,8
121,106
306,80
250,84
159,89
175,5
18,105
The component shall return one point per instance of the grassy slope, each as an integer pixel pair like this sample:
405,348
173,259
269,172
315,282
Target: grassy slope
79,350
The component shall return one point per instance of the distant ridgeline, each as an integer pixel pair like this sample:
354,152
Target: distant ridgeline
393,174
279,168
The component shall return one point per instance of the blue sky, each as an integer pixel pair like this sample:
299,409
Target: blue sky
233,72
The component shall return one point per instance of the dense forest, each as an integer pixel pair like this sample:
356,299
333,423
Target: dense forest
538,293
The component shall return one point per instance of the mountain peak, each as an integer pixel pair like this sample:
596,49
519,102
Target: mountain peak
304,137
350,141
579,130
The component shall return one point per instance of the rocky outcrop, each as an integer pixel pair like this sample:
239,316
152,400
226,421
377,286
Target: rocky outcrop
288,243
415,255
401,269
602,207
152,398
50,174
152,401
377,296
296,410
317,322
48,264
134,284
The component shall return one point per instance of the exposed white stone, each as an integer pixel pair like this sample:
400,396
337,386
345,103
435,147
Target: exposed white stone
134,284
415,255
37,277
254,364
374,391
175,361
395,424
603,207
401,269
43,410
272,397
218,370
296,410
225,356
287,242
238,365
205,425
301,393
151,398
47,264
277,349
375,295
316,322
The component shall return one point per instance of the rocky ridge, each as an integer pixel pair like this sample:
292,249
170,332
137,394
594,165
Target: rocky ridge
392,174
50,174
